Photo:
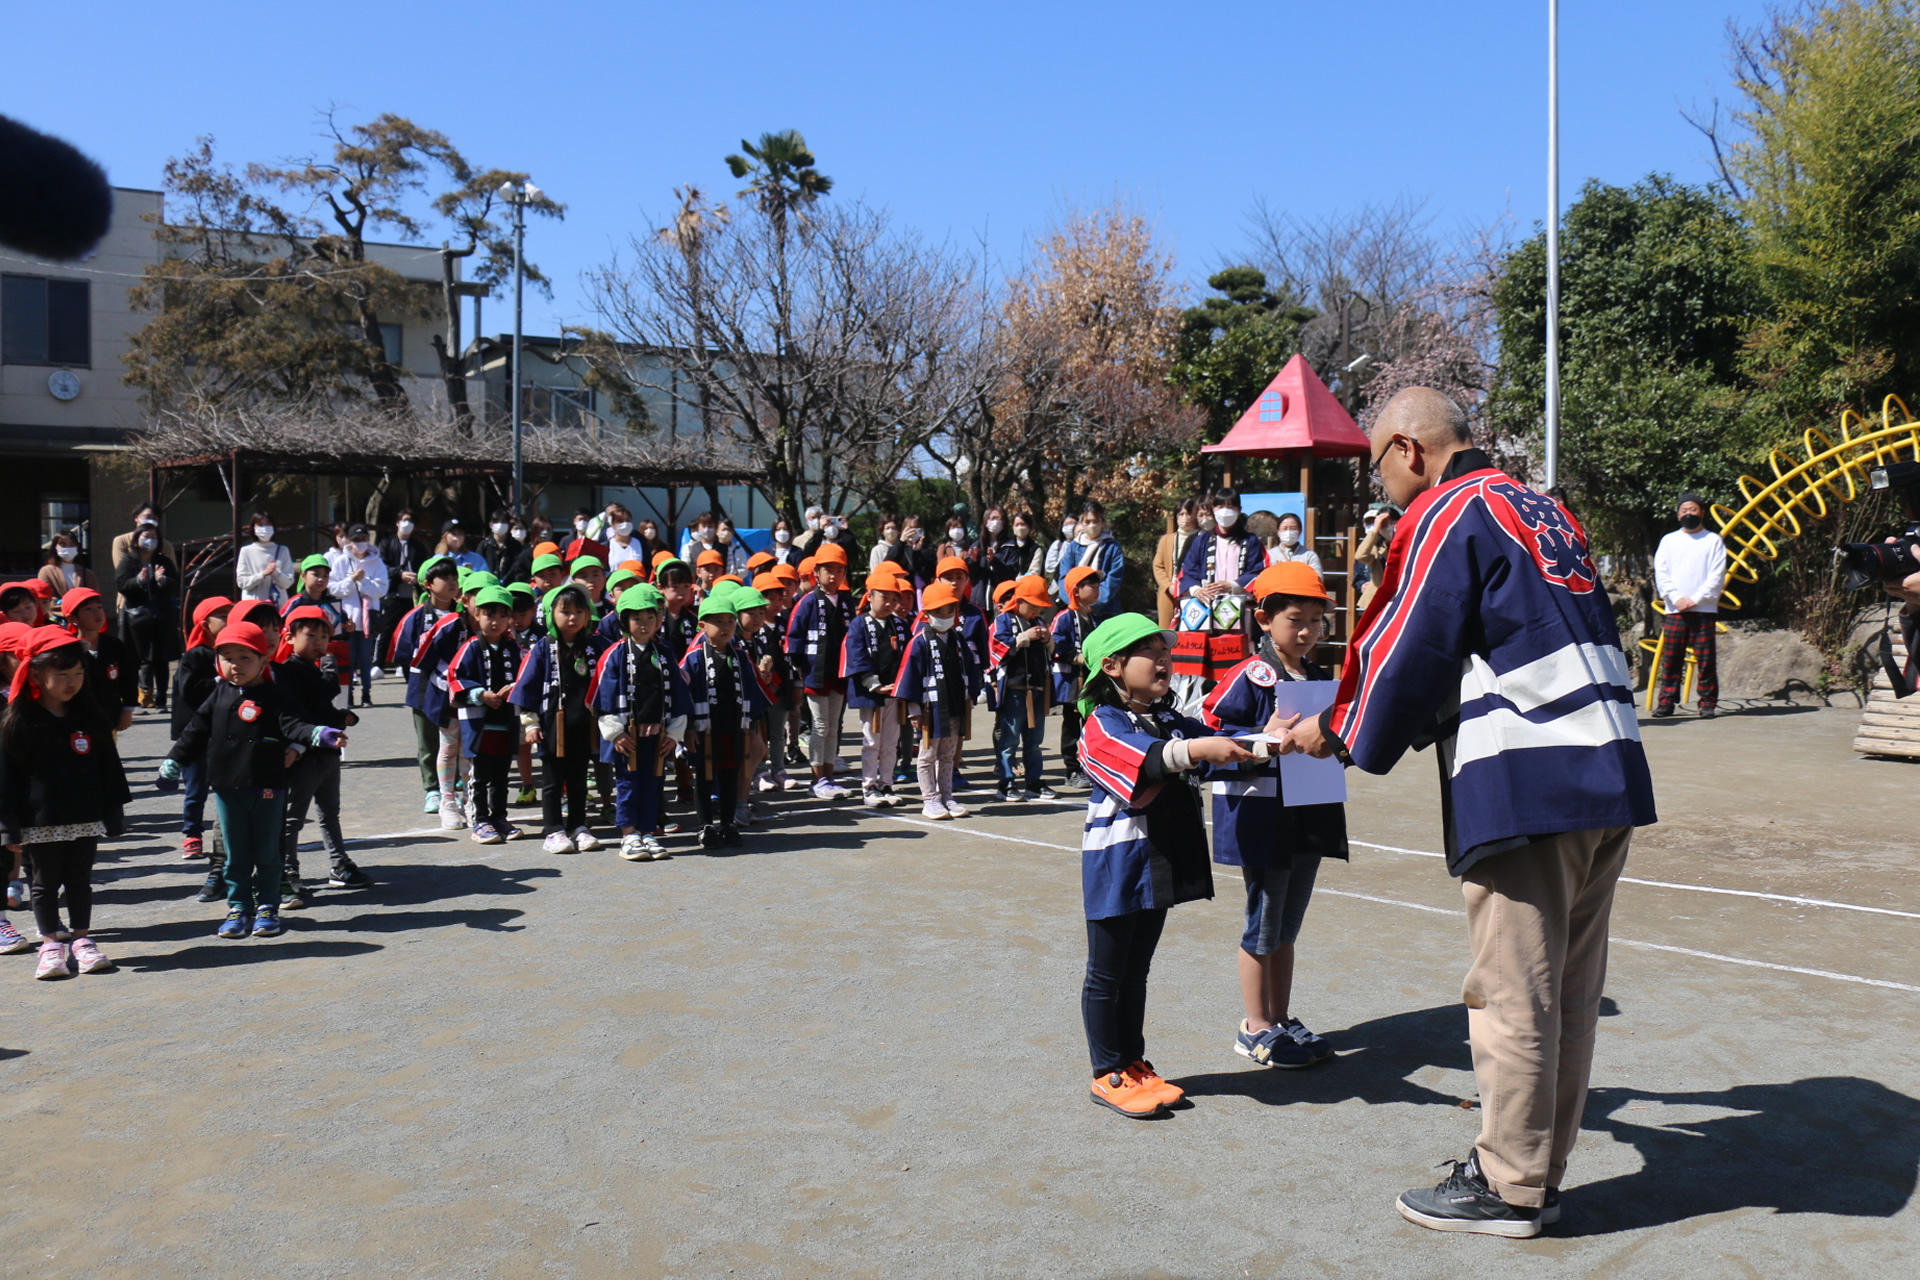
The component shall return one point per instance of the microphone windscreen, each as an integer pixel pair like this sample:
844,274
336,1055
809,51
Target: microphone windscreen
54,202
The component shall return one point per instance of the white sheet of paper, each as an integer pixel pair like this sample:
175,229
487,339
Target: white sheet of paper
1303,779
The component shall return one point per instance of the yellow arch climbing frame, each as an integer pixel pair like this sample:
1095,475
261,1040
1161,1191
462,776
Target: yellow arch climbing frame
1771,510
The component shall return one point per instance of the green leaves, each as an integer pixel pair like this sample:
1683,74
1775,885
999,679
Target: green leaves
1232,344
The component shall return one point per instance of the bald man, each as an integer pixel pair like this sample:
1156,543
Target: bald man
1491,639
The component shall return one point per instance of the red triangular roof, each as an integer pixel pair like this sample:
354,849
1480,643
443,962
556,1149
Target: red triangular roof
1295,412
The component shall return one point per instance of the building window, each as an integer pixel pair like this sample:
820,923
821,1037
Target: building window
45,321
1272,407
390,343
64,513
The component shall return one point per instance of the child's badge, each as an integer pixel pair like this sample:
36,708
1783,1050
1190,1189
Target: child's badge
81,743
113,671
1261,674
248,711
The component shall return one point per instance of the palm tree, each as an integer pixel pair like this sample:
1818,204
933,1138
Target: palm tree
783,181
689,232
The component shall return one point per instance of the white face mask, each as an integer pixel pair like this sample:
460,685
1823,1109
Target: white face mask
995,526
1087,535
73,553
1225,517
580,525
519,535
405,528
624,529
941,624
1066,529
1289,537
1206,523
1021,533
499,532
264,532
782,537
813,522
360,547
705,535
831,533
148,543
956,534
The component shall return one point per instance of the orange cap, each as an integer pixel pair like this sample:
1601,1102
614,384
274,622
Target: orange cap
1288,578
637,568
939,596
545,549
888,566
1075,576
706,558
1032,589
661,557
1005,589
730,577
949,564
765,582
830,553
879,580
806,567
759,559
786,573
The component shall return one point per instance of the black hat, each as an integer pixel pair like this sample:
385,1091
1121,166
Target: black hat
1694,498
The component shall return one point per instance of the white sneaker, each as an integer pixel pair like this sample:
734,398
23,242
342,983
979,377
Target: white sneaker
655,850
557,842
791,783
766,783
874,798
633,847
835,790
584,840
957,810
936,812
824,790
450,819
375,673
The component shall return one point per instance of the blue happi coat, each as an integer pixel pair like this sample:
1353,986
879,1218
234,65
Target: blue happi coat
873,647
432,654
696,669
917,682
479,667
1253,826
537,687
611,693
1144,845
1492,637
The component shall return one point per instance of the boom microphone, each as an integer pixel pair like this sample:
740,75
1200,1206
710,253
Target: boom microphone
54,202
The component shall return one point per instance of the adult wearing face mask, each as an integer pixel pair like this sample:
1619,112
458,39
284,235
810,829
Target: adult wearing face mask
357,578
726,540
149,586
699,537
1167,557
580,526
1215,573
1055,550
991,560
890,546
1099,550
807,539
1689,572
517,565
403,554
623,537
784,550
497,546
1290,546
264,569
145,513
63,570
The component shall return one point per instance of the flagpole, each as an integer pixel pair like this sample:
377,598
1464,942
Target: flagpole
1553,243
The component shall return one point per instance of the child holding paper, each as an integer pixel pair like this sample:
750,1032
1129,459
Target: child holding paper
1277,846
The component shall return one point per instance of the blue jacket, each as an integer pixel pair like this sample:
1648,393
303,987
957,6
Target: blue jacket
538,689
1069,631
1104,555
1491,637
479,668
920,685
1253,826
873,648
1193,565
612,691
427,690
815,630
696,671
1144,845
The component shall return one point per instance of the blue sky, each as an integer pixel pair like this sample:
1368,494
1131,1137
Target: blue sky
966,121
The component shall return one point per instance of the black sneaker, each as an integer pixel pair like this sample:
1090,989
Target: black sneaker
349,877
214,890
1707,713
1464,1202
711,836
1550,1211
1662,712
1003,792
730,836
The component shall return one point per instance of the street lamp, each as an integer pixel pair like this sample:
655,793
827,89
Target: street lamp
1553,244
519,197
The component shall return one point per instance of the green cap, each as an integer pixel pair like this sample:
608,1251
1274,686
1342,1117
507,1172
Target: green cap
745,598
433,564
525,593
494,594
548,561
619,576
718,601
586,562
476,580
316,561
675,563
636,599
1116,635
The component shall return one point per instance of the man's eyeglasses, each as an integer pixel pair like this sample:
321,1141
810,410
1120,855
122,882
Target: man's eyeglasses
1384,449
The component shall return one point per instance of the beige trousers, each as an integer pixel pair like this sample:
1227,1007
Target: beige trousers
1537,921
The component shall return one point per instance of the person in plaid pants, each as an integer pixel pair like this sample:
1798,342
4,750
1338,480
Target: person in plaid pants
1689,571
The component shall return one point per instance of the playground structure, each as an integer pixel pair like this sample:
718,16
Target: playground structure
1831,473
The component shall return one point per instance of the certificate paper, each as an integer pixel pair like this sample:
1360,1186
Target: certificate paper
1303,779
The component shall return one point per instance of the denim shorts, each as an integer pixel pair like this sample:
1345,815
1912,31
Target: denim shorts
1277,900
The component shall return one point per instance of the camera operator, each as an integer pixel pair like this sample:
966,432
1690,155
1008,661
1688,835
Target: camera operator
1689,572
1907,591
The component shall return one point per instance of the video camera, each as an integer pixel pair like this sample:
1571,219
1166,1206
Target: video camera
1867,563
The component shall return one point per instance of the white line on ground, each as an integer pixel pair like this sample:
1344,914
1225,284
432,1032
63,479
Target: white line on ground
1693,888
1443,911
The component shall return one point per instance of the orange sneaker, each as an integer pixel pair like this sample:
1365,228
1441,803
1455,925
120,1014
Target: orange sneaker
1120,1091
1144,1075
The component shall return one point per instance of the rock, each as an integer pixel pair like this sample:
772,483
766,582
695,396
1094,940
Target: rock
1768,663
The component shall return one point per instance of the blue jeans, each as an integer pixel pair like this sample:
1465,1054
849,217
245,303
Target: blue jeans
193,797
360,661
636,796
1011,735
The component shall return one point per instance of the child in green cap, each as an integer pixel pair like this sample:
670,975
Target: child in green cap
479,684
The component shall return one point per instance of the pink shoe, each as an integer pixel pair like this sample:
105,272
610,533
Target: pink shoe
89,958
53,960
12,941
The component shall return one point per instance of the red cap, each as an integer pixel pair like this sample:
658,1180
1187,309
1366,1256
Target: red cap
42,640
201,612
39,586
245,609
248,635
586,547
75,598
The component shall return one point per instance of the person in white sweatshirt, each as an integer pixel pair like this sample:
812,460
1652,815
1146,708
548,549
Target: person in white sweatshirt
264,569
1689,572
359,582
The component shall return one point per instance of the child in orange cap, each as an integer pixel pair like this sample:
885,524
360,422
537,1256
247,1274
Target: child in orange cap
1277,846
870,662
815,632
939,680
707,568
1080,587
1022,649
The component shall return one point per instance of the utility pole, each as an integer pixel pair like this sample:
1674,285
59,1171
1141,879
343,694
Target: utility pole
518,197
1553,243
